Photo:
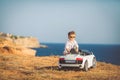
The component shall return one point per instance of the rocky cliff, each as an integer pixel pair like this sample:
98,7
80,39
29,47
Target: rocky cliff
12,44
30,42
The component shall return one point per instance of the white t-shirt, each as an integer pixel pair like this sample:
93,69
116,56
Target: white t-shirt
70,44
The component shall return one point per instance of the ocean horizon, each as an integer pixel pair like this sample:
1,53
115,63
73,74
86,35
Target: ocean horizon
109,53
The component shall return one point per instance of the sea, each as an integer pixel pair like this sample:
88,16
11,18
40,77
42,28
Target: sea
109,53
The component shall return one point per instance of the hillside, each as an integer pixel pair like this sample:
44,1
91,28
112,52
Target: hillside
22,67
16,63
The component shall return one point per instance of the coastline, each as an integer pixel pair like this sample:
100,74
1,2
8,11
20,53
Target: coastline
43,46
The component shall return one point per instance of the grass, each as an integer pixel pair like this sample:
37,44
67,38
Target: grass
22,67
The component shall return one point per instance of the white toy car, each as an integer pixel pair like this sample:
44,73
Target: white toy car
83,60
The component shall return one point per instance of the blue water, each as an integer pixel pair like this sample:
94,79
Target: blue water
104,53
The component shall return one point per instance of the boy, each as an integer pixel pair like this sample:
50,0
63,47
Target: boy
71,43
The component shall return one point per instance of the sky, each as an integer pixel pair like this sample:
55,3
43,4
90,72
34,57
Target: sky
94,21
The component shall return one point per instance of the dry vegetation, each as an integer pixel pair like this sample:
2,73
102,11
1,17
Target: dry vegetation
21,67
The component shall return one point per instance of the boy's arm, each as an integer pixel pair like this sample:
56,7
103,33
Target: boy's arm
68,50
67,47
77,49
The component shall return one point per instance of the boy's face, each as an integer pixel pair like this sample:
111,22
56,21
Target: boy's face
72,37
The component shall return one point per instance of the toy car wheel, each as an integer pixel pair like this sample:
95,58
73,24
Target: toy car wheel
94,63
59,69
85,66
